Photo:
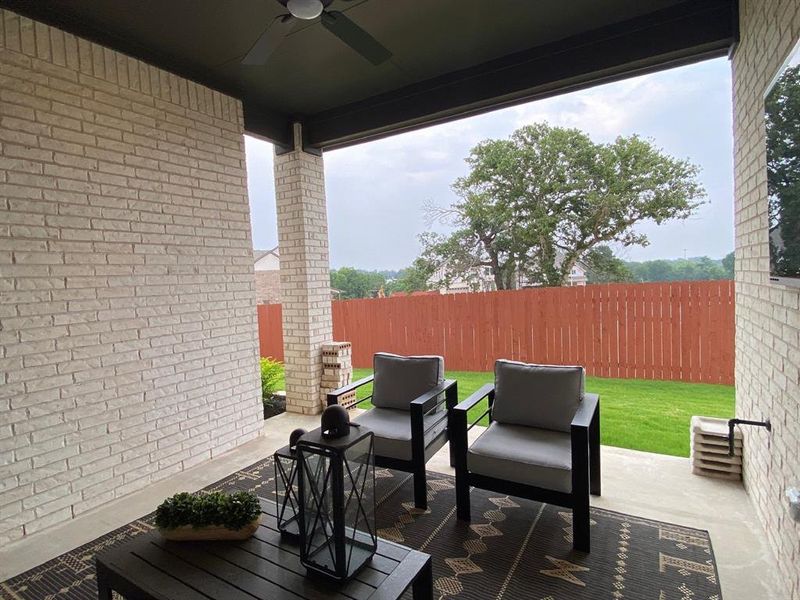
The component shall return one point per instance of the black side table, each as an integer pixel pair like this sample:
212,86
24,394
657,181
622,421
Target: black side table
265,567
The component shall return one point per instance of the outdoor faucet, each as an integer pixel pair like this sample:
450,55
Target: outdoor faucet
733,422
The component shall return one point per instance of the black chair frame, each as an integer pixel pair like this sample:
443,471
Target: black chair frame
420,453
585,433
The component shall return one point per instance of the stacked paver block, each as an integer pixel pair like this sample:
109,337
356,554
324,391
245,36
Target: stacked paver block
709,443
337,370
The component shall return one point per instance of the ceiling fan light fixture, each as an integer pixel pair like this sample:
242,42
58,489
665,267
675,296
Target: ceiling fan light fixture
305,9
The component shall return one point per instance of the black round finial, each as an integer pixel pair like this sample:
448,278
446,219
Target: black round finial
294,436
335,421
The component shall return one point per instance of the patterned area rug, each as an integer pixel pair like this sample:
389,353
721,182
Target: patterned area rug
512,549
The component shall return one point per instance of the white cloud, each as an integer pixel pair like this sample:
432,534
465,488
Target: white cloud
610,110
376,190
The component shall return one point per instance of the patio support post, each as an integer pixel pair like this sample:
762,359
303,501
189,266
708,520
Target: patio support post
305,273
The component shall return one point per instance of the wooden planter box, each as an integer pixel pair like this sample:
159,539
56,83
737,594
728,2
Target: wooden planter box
187,533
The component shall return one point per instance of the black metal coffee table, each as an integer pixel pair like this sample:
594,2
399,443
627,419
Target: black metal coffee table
264,566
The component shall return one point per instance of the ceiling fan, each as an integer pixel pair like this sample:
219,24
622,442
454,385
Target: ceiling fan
334,21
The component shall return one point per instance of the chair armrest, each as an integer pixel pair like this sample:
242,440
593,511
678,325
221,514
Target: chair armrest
586,411
333,397
427,401
585,432
480,394
457,426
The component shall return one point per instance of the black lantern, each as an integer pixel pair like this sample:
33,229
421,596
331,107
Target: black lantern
337,502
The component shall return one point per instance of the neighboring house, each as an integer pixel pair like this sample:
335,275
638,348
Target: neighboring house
481,280
579,275
267,265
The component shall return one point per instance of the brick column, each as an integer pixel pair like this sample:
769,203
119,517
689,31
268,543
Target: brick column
305,276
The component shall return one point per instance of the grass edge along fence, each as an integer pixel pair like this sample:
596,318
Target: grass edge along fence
678,331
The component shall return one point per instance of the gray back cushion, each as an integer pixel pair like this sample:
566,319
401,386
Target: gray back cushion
401,379
543,396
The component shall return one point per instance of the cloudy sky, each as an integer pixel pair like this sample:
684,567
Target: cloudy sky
376,191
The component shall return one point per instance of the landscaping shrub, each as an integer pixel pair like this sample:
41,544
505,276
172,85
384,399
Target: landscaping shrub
271,373
271,376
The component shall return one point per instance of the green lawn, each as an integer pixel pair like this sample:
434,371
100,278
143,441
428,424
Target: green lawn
639,414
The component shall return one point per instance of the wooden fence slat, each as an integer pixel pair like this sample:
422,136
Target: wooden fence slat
675,321
687,325
662,331
673,330
649,332
621,359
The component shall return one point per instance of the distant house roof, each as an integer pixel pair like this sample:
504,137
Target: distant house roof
259,254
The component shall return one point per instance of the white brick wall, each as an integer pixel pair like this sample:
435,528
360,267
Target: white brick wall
305,275
128,335
767,316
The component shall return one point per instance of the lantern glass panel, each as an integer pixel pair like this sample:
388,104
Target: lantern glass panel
359,493
317,513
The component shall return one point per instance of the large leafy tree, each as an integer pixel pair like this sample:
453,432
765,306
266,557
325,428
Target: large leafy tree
411,279
728,264
534,204
354,283
682,269
783,171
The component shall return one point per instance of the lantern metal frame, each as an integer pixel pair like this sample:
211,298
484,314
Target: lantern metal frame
287,492
332,488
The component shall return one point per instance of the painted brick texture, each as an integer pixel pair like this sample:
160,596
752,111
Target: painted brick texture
305,275
767,316
128,335
268,287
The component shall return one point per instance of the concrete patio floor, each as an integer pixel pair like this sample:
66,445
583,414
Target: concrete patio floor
638,483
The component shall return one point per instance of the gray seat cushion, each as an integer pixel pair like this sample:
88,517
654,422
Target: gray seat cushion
524,455
399,380
543,396
392,429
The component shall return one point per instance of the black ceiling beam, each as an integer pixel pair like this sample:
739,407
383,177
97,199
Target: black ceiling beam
268,125
685,33
260,121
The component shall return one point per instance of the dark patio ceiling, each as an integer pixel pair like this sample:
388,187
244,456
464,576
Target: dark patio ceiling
450,58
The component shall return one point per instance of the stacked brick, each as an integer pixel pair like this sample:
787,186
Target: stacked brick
337,370
709,449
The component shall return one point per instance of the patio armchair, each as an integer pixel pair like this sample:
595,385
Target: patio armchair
411,400
542,443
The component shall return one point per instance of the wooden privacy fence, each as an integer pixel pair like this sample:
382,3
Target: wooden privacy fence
681,331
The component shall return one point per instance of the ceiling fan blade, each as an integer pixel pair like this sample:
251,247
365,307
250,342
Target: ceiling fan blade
355,37
269,41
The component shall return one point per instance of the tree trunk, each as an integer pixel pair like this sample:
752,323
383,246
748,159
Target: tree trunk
551,276
566,268
497,270
498,278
